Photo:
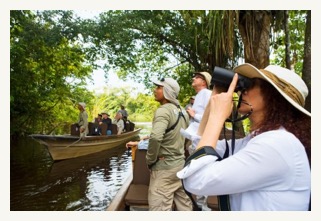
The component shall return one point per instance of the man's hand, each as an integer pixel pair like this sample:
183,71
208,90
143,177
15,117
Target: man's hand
190,112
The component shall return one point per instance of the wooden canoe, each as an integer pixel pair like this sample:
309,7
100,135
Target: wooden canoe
119,201
63,147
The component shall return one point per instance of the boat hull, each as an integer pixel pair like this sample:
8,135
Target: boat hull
63,147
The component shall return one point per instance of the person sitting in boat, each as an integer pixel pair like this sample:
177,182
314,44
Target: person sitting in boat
98,119
82,119
118,120
123,111
106,120
142,144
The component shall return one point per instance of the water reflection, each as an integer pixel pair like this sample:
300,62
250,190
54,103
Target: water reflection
84,183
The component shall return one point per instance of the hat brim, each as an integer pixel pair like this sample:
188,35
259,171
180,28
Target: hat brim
157,82
166,94
207,80
250,71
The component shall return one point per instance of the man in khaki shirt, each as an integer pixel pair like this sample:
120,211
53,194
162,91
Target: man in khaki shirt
165,154
82,119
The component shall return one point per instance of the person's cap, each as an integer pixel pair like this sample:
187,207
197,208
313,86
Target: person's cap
105,113
288,83
171,89
193,97
207,77
82,104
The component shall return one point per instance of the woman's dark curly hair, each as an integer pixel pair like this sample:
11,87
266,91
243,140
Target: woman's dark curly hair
279,112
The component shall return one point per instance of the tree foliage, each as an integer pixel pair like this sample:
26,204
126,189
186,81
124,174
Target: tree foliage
47,72
53,53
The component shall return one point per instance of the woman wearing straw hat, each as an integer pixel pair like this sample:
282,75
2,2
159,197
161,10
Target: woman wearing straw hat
269,169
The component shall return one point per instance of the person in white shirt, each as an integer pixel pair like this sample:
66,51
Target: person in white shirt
270,167
142,144
118,120
201,83
191,102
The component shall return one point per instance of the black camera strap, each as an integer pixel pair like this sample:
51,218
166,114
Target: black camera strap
180,114
223,200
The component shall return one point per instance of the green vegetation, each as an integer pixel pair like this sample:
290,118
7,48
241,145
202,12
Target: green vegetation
53,53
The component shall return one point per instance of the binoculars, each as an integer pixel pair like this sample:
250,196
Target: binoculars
223,77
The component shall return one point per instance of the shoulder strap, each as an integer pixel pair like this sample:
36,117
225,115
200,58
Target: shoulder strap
223,200
180,114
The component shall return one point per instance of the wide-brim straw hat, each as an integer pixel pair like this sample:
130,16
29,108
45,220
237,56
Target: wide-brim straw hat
207,77
286,82
289,85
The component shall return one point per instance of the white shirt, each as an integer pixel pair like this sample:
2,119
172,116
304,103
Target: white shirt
268,172
201,100
120,125
143,144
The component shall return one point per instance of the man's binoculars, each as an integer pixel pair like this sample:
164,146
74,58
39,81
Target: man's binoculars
223,77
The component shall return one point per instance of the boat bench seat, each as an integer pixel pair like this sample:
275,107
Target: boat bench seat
114,129
137,195
212,203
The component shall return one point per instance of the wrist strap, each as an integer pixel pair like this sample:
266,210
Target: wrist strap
203,151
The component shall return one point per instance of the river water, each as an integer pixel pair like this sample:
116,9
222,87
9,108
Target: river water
86,183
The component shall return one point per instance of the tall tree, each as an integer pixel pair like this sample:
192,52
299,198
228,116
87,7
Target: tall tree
287,40
53,52
254,27
306,71
47,71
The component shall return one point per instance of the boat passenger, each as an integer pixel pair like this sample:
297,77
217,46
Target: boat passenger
269,169
124,112
82,119
201,82
190,103
98,119
118,120
141,145
106,120
165,153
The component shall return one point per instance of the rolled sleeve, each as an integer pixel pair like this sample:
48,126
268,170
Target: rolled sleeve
195,165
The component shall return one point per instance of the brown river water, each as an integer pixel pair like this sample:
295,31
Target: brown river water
86,183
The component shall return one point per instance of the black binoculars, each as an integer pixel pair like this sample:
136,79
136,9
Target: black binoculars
224,77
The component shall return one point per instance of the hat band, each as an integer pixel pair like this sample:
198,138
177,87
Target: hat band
287,88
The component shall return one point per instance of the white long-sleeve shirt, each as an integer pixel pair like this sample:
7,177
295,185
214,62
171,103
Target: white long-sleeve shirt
201,100
120,125
268,172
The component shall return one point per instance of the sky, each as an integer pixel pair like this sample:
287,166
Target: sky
99,81
94,5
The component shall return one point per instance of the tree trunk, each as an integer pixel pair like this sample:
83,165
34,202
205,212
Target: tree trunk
306,71
254,28
287,40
